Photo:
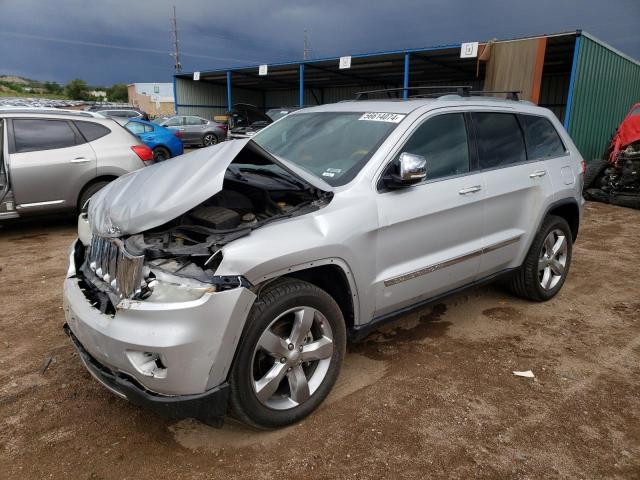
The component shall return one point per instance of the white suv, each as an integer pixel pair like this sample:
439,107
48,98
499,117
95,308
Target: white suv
235,276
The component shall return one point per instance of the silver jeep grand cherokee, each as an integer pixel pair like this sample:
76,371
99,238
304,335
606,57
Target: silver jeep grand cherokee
233,277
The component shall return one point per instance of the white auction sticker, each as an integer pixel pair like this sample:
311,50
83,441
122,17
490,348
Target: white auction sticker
382,117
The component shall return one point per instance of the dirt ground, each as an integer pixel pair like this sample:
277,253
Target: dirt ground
432,395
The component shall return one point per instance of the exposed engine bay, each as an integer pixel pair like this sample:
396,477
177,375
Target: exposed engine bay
184,253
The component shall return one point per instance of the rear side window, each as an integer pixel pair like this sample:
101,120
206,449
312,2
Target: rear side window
92,131
542,138
442,140
499,138
195,121
34,134
173,122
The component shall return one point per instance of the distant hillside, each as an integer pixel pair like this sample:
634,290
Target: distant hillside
15,86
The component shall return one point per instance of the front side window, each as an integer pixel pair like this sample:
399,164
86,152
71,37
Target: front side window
34,134
331,145
542,138
442,140
500,140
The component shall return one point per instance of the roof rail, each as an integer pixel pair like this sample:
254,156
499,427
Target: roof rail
511,94
50,110
462,90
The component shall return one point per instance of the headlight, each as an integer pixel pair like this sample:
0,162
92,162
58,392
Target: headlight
167,288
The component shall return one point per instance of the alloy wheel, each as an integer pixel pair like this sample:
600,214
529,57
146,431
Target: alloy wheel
209,139
553,259
292,358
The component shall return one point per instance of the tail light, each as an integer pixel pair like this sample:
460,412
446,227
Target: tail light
144,153
178,133
584,167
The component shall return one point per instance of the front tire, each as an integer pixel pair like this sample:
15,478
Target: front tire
289,357
547,263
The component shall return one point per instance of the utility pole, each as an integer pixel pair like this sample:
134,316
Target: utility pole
176,48
306,53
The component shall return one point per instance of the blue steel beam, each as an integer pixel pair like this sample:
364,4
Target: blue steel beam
301,100
405,83
572,81
229,102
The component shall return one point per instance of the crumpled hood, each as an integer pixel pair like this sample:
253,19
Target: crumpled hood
153,195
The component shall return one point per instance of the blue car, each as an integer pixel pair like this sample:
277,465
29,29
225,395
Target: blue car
165,143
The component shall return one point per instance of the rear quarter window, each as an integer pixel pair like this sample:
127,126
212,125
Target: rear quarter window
92,131
541,137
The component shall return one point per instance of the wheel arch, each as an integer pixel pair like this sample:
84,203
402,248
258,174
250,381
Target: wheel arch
93,181
332,275
569,210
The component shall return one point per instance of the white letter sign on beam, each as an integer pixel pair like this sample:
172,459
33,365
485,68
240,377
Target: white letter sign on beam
196,76
469,50
262,69
345,62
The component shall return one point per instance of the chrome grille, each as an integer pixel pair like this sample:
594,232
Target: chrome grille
111,263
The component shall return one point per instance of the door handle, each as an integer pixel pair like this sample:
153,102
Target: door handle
80,160
539,173
467,191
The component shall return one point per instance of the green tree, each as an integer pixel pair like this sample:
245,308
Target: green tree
77,90
52,87
118,93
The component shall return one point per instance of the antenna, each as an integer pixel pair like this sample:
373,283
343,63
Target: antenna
176,48
306,53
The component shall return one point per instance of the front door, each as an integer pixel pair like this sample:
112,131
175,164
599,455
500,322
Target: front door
429,236
49,164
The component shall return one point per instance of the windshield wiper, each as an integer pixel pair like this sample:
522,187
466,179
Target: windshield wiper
271,173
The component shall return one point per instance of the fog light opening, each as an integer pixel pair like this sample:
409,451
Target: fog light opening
149,364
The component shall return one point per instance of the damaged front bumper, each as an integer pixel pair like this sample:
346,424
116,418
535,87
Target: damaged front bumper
159,353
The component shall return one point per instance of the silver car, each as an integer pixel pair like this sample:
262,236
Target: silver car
54,160
196,131
239,277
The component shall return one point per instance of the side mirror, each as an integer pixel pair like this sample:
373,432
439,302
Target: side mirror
411,169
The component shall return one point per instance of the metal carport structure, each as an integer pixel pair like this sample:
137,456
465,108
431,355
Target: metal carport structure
564,64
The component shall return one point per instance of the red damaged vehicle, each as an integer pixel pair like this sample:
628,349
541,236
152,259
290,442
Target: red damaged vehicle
616,178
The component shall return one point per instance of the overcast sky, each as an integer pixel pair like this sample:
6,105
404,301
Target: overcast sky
109,41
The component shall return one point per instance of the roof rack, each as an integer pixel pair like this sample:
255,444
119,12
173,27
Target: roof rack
461,90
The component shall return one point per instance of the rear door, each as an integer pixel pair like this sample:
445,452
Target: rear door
518,188
49,163
429,236
193,129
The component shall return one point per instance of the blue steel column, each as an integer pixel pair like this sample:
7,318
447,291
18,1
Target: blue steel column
301,100
405,92
229,103
175,97
572,81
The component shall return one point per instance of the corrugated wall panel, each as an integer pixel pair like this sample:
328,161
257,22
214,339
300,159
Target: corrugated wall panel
606,85
209,99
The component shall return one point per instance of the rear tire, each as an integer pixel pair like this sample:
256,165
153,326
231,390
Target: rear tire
594,169
209,139
271,384
88,192
160,154
543,272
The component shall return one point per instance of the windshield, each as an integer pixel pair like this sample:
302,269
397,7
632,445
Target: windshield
331,145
